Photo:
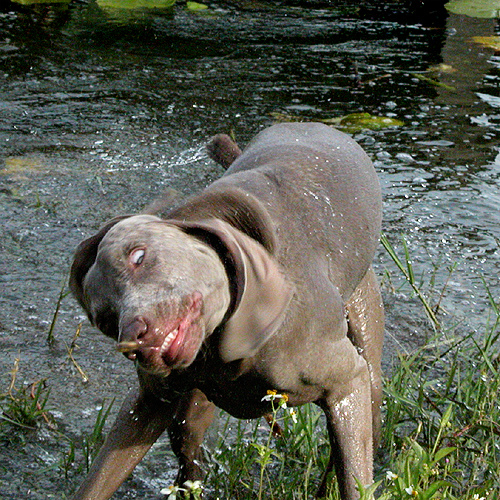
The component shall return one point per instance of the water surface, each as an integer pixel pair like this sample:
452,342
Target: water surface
101,111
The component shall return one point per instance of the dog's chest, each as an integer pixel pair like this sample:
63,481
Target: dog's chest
242,397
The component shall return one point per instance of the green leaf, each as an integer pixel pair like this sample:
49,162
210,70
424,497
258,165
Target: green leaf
446,416
351,124
356,122
433,489
486,9
195,6
443,452
136,4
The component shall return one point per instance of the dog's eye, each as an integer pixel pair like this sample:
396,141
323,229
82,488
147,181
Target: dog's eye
137,256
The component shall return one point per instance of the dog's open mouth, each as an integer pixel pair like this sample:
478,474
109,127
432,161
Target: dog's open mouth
160,351
175,341
167,343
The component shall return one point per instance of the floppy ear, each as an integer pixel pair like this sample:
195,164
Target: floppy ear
85,256
260,292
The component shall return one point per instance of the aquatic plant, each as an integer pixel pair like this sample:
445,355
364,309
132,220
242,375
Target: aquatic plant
24,407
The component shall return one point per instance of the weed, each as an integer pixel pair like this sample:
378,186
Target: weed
90,446
406,268
71,348
274,462
24,407
62,294
93,441
440,434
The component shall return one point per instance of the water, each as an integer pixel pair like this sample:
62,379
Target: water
101,111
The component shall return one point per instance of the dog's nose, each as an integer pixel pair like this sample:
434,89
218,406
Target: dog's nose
130,337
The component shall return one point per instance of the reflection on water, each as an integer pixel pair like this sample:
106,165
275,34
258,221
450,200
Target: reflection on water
102,109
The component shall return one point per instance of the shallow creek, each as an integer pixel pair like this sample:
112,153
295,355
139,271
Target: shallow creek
102,110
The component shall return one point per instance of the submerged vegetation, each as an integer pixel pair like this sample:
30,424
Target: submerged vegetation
440,438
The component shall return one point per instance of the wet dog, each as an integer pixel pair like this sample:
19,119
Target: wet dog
262,281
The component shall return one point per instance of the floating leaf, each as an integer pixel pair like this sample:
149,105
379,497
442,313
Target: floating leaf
434,82
356,122
490,42
486,9
350,123
136,4
18,166
195,6
442,68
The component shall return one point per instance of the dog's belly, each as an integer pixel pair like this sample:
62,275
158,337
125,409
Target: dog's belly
252,395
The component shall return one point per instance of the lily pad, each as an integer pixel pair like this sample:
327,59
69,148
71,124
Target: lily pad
20,166
195,6
442,68
351,124
136,4
485,9
355,122
490,42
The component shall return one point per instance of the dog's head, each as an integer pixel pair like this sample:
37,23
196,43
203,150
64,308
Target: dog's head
160,288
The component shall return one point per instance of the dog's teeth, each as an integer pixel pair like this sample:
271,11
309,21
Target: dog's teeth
169,339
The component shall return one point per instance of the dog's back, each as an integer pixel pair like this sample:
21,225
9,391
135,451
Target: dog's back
321,193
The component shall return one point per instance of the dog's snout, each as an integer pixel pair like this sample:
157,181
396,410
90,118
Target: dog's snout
131,335
135,330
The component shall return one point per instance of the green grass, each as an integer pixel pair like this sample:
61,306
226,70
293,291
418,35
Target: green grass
441,431
440,437
442,421
23,407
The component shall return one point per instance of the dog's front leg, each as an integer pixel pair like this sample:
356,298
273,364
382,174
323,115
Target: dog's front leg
140,422
193,416
349,420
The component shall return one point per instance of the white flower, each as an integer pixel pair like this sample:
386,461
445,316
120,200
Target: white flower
390,476
171,491
193,485
293,415
411,491
477,497
273,395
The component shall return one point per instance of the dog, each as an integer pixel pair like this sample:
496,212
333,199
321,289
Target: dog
262,281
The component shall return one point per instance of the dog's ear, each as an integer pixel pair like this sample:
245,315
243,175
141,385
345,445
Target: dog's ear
263,301
85,256
260,292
